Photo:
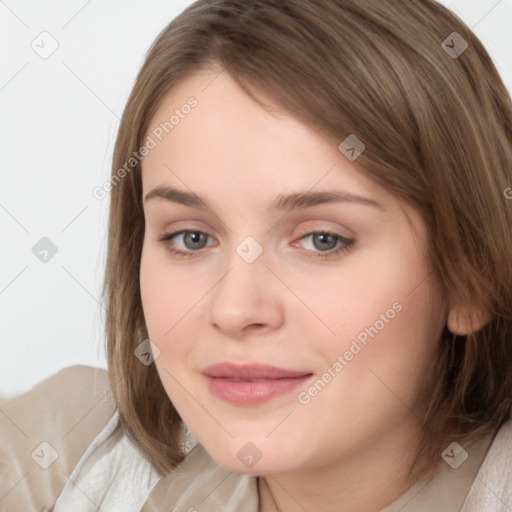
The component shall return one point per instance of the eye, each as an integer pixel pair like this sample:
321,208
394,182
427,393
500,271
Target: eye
322,244
193,242
326,244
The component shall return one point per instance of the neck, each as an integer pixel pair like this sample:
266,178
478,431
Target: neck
366,481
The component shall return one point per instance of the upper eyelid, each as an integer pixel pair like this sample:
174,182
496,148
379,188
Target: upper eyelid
301,236
308,230
174,234
304,233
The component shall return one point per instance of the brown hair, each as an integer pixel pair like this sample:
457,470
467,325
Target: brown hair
438,134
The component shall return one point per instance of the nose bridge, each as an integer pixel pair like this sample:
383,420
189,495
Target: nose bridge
245,295
246,265
246,273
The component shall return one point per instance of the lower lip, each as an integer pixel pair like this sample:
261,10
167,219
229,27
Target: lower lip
253,393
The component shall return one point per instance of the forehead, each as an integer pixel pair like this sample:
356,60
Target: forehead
236,155
226,139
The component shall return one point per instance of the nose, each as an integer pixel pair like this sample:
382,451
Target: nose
247,299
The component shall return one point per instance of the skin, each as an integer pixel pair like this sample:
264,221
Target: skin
289,308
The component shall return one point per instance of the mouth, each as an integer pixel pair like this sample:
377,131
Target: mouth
252,384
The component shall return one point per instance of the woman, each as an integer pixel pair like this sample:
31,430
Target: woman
308,274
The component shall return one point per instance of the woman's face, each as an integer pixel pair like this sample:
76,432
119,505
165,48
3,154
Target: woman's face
349,318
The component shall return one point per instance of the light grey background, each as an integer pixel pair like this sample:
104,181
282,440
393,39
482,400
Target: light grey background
59,115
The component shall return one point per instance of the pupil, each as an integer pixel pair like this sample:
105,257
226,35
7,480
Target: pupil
324,239
194,239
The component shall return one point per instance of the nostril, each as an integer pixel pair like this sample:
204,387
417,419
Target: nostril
255,326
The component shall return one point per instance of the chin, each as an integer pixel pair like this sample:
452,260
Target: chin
245,458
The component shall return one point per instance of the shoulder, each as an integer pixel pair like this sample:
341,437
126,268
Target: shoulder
200,483
46,430
492,488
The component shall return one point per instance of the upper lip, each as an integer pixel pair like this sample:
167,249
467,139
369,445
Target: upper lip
251,371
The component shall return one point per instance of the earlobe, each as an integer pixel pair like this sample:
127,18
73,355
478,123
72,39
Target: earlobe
462,321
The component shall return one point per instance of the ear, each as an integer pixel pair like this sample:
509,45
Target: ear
462,321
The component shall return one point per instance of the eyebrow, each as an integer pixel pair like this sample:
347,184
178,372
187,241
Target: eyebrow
283,202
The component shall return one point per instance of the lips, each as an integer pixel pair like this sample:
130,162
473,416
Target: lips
251,372
251,384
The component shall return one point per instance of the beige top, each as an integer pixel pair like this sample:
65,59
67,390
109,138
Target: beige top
62,448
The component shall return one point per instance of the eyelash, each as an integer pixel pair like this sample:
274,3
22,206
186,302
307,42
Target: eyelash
347,243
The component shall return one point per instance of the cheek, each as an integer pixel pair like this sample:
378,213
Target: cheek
174,308
167,295
377,381
156,300
387,340
385,315
167,301
370,294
